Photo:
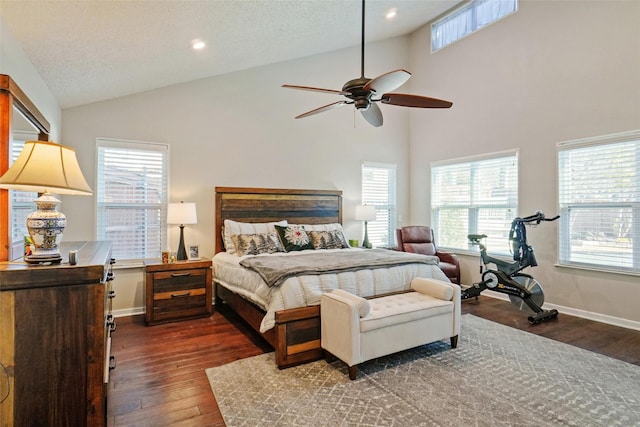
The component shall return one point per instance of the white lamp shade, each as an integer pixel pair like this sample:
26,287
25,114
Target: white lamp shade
182,213
365,213
46,166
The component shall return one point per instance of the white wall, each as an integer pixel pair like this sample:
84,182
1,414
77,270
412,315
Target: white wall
238,130
553,71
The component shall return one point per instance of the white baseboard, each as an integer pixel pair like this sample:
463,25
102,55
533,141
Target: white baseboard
128,312
597,317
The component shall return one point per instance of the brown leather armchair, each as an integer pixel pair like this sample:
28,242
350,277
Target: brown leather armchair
419,239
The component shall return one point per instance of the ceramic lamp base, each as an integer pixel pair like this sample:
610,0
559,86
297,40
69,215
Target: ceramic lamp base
46,227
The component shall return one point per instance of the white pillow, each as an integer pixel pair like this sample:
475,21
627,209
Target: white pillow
436,288
235,227
326,227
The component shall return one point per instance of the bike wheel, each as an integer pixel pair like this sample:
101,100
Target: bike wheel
533,286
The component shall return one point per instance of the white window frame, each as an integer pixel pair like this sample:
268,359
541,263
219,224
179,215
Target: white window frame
586,234
476,199
151,242
381,231
467,19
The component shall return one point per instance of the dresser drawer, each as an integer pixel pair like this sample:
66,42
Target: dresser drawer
182,291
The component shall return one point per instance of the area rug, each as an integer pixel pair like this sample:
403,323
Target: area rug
498,376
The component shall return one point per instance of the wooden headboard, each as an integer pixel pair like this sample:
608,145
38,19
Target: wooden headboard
271,204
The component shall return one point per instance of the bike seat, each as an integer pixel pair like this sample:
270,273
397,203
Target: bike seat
476,237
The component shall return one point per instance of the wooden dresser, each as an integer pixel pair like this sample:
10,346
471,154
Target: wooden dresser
55,333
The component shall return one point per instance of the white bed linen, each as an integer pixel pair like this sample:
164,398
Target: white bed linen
302,291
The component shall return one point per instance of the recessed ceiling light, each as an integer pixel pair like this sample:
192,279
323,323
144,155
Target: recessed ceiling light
198,44
391,13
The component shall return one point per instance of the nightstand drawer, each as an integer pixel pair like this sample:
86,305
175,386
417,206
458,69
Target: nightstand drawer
177,291
183,280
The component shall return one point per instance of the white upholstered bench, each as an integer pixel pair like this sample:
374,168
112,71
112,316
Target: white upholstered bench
356,329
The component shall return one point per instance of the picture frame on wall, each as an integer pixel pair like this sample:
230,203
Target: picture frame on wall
194,252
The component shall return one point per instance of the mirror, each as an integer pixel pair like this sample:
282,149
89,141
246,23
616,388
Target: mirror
19,119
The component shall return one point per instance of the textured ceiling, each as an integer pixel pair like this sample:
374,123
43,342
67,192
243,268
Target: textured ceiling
89,50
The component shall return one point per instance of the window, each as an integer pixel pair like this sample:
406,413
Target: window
379,189
599,197
468,19
477,196
21,202
131,197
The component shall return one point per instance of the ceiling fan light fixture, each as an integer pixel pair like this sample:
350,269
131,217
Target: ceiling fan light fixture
365,93
361,103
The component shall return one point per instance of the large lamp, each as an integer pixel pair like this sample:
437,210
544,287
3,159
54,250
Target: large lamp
182,213
46,167
365,213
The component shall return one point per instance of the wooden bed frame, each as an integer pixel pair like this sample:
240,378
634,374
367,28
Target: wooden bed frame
296,335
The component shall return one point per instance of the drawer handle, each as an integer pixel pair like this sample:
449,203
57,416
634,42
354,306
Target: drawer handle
180,274
186,294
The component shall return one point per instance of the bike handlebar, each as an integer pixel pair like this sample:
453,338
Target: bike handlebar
537,217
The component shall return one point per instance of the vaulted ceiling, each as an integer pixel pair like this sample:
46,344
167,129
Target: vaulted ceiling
91,50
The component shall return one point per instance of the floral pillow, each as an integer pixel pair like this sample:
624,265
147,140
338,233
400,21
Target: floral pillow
294,238
256,244
333,239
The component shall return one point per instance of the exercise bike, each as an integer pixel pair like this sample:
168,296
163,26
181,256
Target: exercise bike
507,278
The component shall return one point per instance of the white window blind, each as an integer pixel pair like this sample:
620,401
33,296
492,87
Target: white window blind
131,197
475,196
599,197
379,189
467,19
20,202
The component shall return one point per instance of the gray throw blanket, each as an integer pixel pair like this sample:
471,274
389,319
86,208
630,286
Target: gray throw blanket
276,269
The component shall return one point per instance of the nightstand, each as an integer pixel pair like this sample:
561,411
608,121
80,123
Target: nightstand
177,291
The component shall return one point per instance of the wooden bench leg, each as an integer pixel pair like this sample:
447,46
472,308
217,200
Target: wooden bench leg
353,372
454,342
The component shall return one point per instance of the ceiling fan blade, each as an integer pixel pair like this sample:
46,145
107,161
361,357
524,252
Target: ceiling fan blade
373,115
388,81
316,89
418,101
322,109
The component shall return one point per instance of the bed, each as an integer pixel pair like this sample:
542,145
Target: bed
285,310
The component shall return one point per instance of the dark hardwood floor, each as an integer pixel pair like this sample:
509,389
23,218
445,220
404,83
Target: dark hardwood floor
160,379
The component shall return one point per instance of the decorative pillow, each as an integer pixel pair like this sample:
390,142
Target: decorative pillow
235,227
326,227
436,288
256,244
294,238
328,239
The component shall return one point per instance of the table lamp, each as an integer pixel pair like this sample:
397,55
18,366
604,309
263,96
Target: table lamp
46,167
182,213
365,213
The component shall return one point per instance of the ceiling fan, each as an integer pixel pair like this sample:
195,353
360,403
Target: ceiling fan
364,93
